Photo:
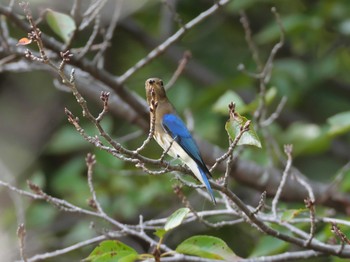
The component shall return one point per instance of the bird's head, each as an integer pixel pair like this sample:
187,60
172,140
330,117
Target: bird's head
155,90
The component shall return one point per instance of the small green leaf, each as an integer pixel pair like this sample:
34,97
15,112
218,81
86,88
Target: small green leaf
176,218
291,24
112,251
344,27
306,138
221,105
239,5
233,127
67,139
268,245
270,95
160,232
339,123
291,213
63,25
345,184
207,247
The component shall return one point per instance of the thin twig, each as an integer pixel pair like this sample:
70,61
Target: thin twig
59,252
335,183
343,238
104,98
153,108
75,11
275,114
261,226
151,172
261,204
233,145
90,14
21,234
264,71
288,256
93,35
311,206
169,41
288,150
249,39
35,33
4,34
165,152
99,58
228,166
182,64
66,206
90,162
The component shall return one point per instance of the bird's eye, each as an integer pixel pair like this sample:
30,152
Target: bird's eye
151,81
161,82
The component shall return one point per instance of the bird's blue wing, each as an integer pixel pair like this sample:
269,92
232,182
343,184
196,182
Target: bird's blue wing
179,132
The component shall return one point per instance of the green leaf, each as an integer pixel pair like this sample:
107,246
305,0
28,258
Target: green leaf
306,138
344,27
221,105
67,139
233,127
291,213
176,218
112,251
270,95
292,23
63,25
68,180
207,247
339,123
239,5
345,184
268,245
35,217
160,232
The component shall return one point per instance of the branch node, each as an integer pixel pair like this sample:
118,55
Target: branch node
72,76
21,233
35,188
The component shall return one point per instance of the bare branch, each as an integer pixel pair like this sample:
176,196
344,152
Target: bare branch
153,108
233,145
90,42
21,234
91,13
169,41
182,64
104,98
260,225
75,11
90,162
343,238
288,150
249,39
65,250
288,256
99,58
275,114
35,33
311,206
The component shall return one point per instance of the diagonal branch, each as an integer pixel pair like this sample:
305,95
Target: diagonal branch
171,40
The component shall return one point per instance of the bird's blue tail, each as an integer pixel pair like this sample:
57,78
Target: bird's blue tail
207,184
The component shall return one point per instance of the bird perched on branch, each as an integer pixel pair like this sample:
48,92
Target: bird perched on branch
171,133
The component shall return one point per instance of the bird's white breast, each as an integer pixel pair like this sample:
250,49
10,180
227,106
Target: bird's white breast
176,151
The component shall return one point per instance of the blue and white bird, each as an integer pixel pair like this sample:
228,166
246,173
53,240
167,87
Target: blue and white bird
170,131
